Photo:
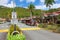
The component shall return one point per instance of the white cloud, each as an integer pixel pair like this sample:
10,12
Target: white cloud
55,6
25,7
44,7
28,1
11,5
56,0
42,0
40,7
21,0
3,2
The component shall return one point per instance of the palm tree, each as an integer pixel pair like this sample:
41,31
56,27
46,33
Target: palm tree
31,8
49,3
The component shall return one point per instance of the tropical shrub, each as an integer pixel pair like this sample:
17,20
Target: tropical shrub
43,25
58,28
12,29
17,36
52,27
40,25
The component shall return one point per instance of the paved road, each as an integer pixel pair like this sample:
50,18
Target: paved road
36,35
32,35
41,35
22,25
3,36
6,25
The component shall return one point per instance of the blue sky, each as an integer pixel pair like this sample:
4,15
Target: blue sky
39,4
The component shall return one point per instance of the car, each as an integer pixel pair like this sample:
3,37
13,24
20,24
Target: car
30,22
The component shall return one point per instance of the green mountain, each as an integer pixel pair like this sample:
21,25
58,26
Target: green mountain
5,12
21,12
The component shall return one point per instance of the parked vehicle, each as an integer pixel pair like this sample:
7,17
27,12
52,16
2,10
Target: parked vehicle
29,22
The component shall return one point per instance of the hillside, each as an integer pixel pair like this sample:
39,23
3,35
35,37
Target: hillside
21,12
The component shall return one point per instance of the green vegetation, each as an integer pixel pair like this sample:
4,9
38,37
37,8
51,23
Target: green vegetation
31,8
13,35
4,12
54,28
16,37
12,29
21,12
49,3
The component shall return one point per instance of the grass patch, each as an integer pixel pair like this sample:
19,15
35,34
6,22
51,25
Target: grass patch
54,28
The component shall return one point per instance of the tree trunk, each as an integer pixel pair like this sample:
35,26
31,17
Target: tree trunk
51,14
42,16
31,14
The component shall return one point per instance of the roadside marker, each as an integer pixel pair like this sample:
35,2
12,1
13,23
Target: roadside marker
33,28
6,30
